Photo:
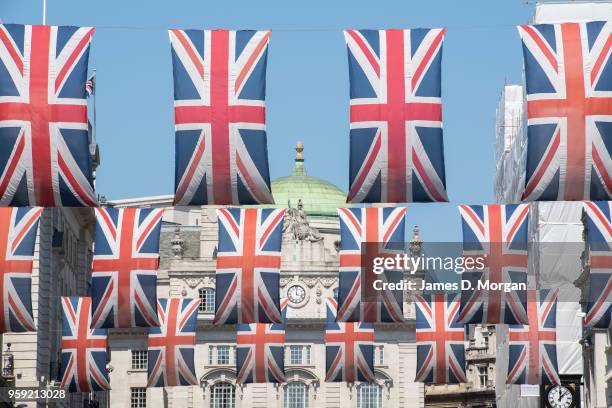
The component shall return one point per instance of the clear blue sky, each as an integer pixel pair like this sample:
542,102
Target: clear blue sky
307,93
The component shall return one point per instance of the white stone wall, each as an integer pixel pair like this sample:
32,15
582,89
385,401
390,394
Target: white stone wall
61,270
312,265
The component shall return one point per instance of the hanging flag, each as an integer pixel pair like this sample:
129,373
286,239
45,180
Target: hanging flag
90,85
396,116
532,355
171,346
260,351
44,145
349,349
496,237
83,365
248,265
124,271
380,233
440,340
569,111
598,225
18,230
219,116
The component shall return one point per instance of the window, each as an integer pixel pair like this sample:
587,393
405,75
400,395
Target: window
369,396
381,355
296,395
295,354
336,294
483,376
223,355
211,353
139,359
207,300
298,354
485,340
138,398
223,395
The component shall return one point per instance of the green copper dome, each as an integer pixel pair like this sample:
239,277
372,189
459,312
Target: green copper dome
319,197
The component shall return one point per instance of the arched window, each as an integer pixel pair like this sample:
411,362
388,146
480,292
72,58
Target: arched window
369,396
296,395
223,395
207,300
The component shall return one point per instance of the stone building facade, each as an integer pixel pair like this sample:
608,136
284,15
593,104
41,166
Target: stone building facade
310,262
62,267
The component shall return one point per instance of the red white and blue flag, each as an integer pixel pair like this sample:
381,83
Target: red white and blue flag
44,144
598,224
532,349
18,230
248,265
171,346
568,78
379,232
349,349
495,235
124,272
260,351
440,340
396,116
83,365
219,116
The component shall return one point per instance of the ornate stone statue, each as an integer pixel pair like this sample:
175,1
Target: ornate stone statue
296,224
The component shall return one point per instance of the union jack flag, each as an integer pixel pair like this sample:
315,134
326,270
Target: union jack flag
124,272
440,340
90,85
569,111
598,223
248,265
83,366
349,349
171,346
44,153
497,236
219,116
18,227
532,356
366,234
260,351
396,116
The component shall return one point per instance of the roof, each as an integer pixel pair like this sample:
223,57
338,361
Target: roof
319,197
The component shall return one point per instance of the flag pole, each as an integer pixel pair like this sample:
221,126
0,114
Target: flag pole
44,11
94,107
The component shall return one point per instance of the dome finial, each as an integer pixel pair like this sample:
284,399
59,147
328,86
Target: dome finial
299,148
298,168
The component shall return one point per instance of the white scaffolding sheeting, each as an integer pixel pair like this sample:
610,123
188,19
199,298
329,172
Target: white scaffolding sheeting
509,145
555,260
557,231
558,12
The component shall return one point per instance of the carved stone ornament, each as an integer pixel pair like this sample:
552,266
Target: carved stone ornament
310,282
177,243
327,282
193,282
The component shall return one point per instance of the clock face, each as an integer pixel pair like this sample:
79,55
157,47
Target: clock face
296,294
560,397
